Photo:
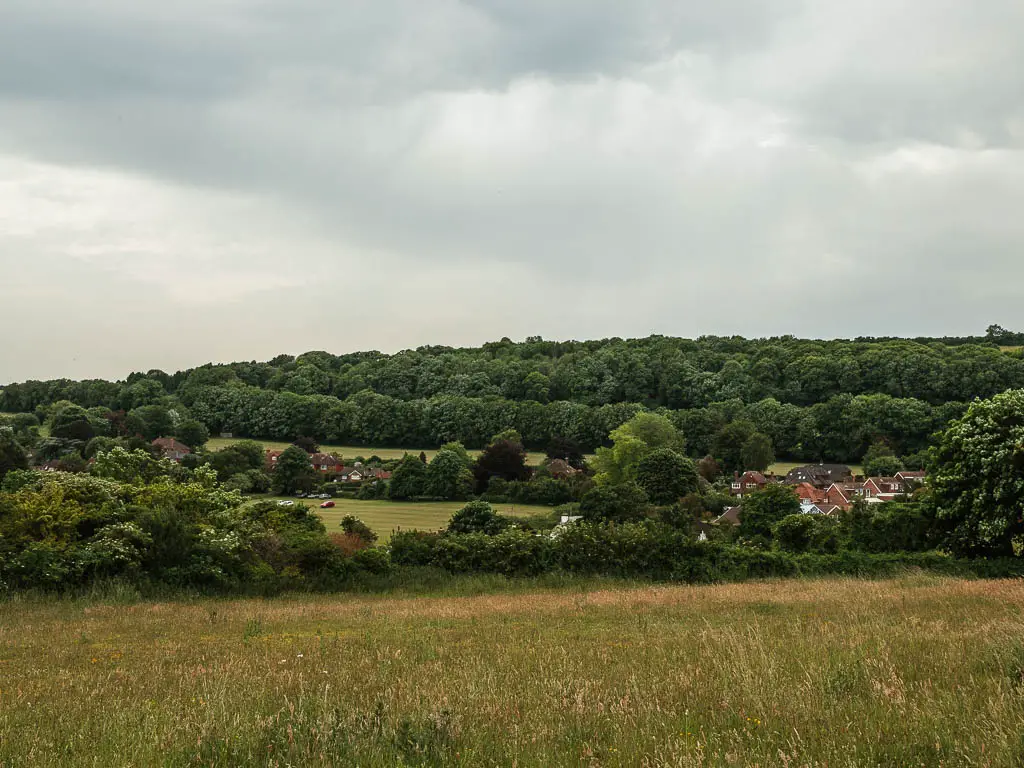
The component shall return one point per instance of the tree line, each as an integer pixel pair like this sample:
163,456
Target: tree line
654,372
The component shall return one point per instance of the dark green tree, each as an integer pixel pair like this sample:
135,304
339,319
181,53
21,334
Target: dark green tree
408,479
448,477
478,517
192,433
757,453
12,454
616,503
728,444
666,476
762,509
293,471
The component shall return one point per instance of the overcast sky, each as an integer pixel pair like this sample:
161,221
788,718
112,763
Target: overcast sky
233,179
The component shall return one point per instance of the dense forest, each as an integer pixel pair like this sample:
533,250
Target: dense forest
814,399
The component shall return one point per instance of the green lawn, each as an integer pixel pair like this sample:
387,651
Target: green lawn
349,452
387,516
782,467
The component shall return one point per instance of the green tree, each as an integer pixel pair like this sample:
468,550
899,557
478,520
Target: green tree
806,533
762,509
448,477
408,479
293,471
131,466
192,433
757,453
537,386
478,517
616,503
642,434
12,454
729,443
666,476
881,461
977,478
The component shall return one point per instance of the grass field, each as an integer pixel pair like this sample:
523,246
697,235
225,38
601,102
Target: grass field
782,467
383,517
842,673
349,452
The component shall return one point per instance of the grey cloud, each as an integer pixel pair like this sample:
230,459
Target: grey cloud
492,168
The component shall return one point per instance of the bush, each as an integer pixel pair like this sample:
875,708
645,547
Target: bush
617,503
478,517
807,533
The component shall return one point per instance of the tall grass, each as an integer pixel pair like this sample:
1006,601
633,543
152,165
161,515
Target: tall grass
919,671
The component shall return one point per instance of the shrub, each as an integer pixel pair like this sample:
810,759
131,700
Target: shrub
616,503
478,517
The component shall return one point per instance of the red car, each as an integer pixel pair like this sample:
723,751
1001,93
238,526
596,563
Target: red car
327,505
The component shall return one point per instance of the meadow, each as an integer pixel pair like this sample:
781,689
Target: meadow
350,452
384,517
918,671
533,458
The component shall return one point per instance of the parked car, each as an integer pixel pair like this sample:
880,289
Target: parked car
300,495
325,495
285,503
327,505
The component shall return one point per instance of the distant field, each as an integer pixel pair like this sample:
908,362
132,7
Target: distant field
387,516
782,467
919,671
1011,349
349,452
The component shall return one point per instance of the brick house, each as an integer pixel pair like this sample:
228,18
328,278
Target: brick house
747,483
172,449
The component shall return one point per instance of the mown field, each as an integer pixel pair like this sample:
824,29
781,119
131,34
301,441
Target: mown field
534,458
383,517
913,672
349,452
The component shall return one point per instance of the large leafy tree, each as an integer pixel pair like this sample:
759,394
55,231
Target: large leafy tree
293,471
977,478
448,477
502,458
642,434
729,443
192,433
408,479
757,453
764,508
12,454
616,504
666,476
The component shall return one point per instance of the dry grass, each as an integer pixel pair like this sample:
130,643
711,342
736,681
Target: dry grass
915,672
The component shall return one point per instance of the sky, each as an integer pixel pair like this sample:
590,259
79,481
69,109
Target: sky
235,179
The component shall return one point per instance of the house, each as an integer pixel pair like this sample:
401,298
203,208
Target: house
808,493
324,463
731,516
747,483
884,488
561,469
172,449
272,457
819,475
809,508
358,472
843,495
911,479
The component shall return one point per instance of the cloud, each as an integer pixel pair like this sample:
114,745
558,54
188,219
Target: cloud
238,180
